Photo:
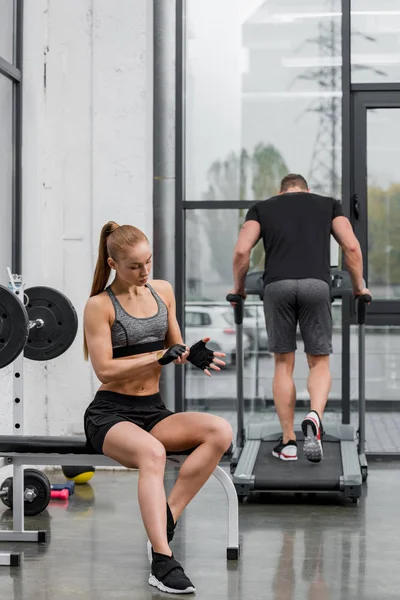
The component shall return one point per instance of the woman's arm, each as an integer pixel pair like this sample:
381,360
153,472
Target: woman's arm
174,335
98,337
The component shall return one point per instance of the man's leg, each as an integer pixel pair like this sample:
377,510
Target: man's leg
284,392
315,318
319,382
281,322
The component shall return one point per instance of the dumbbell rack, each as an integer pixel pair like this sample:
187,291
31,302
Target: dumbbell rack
17,287
13,559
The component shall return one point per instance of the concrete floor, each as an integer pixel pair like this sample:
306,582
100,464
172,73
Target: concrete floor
290,551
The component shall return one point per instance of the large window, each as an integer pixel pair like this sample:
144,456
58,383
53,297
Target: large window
270,87
375,41
383,154
7,30
210,240
263,96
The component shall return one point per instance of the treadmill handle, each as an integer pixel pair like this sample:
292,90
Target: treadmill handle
238,309
362,302
362,308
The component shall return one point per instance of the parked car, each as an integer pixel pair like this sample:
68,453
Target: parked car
215,322
254,326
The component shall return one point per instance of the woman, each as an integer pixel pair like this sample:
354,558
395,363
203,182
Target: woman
131,332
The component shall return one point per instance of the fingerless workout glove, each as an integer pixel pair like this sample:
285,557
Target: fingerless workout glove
200,356
172,354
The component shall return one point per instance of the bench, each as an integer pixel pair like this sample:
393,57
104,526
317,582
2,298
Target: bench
21,451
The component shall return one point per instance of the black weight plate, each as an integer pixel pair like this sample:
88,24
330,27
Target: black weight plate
60,323
5,499
39,483
13,327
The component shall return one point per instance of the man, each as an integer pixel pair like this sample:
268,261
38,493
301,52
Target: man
295,227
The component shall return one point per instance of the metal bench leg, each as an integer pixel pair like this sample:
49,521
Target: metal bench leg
18,498
233,549
18,533
10,560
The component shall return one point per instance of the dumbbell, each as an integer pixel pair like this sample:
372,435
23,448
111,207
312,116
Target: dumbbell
37,492
59,494
68,485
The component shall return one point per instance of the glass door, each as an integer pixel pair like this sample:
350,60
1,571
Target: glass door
375,212
376,199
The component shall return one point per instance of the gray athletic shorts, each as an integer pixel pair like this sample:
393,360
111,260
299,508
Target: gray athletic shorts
303,301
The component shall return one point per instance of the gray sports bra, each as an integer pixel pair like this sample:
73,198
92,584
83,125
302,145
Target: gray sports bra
132,335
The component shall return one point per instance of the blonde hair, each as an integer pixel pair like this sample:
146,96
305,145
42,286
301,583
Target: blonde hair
113,239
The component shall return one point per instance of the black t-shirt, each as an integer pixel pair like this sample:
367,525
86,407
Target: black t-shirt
296,228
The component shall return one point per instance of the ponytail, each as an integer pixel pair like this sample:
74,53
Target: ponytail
102,270
111,245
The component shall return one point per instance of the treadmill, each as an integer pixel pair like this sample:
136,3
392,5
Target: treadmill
344,467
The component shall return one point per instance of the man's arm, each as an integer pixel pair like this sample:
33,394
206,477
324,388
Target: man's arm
343,233
248,238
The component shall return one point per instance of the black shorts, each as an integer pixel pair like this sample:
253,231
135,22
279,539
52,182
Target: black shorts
306,302
109,408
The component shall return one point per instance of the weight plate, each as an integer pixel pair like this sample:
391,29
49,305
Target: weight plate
5,499
60,323
13,327
37,484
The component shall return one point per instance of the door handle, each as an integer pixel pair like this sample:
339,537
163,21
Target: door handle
356,206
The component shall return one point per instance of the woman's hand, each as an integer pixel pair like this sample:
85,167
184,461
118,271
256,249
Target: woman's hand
183,358
203,358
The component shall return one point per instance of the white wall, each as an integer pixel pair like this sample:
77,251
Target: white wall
87,158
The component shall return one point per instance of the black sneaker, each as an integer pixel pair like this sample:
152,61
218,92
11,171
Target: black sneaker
313,434
170,533
168,575
286,451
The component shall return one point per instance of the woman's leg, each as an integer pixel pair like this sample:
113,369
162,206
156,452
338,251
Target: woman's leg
210,435
134,448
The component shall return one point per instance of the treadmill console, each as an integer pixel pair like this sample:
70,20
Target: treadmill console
340,283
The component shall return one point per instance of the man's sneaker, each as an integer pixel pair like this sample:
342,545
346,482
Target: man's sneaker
168,575
313,433
170,533
286,451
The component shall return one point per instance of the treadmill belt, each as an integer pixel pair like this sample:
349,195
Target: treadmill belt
298,475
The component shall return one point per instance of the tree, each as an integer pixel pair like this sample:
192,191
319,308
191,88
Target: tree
384,235
254,176
245,176
268,169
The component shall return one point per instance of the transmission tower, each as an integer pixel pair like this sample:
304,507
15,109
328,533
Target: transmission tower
323,172
325,165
